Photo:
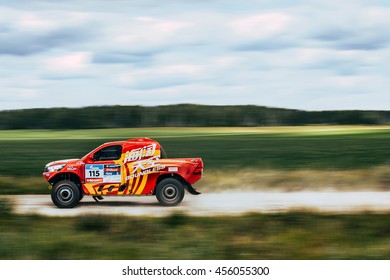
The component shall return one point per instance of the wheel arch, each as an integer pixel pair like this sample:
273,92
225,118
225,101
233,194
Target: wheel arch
170,175
68,176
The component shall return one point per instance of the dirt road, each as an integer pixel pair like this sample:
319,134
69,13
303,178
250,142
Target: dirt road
212,204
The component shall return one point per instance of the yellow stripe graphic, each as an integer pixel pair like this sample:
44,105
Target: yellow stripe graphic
143,184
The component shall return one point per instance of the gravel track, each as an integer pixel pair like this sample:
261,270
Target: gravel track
212,204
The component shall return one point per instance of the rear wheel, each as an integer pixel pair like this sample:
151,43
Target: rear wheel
65,194
169,192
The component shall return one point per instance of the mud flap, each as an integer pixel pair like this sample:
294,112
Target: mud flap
190,189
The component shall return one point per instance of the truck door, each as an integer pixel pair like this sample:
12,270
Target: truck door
103,172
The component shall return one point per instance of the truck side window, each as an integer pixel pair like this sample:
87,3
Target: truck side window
163,153
108,153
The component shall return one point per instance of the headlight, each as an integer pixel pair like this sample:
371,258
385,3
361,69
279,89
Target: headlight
55,168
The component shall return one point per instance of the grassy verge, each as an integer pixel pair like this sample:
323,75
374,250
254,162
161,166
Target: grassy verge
374,179
23,185
294,235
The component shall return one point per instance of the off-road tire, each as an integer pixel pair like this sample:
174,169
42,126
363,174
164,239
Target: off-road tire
169,192
65,194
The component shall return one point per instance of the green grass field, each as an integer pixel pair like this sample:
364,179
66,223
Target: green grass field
282,149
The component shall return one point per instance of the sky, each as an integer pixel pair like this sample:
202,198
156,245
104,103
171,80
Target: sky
310,55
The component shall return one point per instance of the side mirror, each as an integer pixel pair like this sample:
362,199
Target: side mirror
90,157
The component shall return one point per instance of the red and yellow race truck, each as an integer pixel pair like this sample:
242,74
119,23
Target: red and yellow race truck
122,168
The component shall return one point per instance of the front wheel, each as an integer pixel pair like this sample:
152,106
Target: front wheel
65,194
169,192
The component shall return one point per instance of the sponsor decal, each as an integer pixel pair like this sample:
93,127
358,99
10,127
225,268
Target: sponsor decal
140,153
103,173
144,167
112,173
94,180
173,169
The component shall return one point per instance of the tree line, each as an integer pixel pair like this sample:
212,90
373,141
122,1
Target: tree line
180,115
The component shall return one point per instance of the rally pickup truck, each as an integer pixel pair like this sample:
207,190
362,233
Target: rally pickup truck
122,168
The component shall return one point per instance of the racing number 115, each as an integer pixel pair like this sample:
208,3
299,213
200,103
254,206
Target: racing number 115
94,173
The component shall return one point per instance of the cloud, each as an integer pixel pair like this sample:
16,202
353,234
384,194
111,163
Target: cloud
270,31
23,33
161,77
72,62
261,25
364,39
113,57
271,44
26,43
367,28
141,34
67,66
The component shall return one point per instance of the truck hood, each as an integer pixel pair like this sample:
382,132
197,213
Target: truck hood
63,161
